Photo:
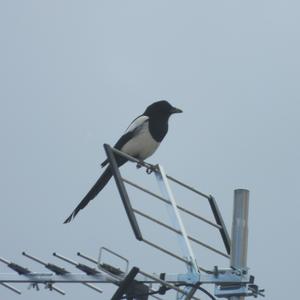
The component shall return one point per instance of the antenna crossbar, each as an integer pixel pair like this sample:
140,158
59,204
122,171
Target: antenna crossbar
169,202
179,232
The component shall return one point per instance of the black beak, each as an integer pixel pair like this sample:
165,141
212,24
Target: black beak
175,110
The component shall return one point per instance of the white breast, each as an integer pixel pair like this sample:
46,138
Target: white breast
142,145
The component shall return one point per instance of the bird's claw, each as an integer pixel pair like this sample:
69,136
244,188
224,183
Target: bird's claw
139,165
149,170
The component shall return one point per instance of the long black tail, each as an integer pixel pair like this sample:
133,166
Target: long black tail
98,186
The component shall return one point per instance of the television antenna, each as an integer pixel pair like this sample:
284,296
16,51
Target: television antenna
233,282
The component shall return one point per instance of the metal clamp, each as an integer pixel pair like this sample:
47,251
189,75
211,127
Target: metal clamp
100,263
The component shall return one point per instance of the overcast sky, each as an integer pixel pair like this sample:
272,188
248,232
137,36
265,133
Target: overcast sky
75,73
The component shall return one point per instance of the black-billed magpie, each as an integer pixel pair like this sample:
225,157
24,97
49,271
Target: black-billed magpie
140,140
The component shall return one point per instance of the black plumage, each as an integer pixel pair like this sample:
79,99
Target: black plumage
140,140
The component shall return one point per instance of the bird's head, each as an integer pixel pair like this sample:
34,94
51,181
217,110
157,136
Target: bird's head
161,108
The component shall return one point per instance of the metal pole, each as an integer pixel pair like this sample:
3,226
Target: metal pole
123,192
239,233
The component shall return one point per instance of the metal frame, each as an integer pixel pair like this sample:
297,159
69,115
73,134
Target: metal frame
168,198
188,257
233,283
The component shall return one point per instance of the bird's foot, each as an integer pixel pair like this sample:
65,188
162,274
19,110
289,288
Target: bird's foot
149,170
139,164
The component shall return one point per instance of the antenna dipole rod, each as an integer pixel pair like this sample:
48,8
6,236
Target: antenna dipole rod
56,289
239,233
4,261
10,287
93,287
87,257
70,261
34,258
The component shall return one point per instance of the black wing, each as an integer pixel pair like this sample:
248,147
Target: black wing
132,130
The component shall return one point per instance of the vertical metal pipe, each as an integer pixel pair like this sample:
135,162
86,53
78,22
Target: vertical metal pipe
239,233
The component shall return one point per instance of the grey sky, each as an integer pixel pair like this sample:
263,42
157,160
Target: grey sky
74,74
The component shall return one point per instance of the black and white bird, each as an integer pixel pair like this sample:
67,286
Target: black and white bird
141,139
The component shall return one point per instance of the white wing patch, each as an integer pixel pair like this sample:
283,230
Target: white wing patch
136,123
141,145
